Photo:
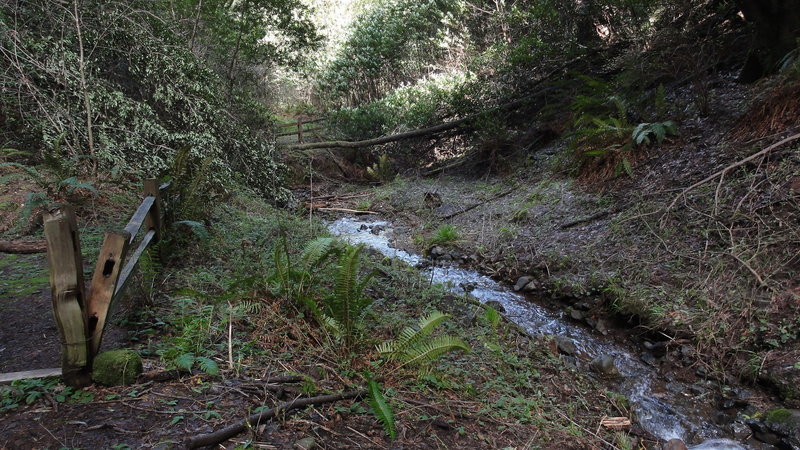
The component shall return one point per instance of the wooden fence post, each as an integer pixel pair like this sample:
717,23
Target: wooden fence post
104,283
69,300
299,130
153,219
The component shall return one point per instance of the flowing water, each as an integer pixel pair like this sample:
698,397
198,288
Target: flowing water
666,412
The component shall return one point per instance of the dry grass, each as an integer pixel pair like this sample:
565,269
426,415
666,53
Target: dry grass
776,112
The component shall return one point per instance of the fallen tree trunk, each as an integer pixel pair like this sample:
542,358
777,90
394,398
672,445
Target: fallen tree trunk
415,133
23,247
254,420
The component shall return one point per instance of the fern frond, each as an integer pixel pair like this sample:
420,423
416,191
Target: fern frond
346,274
410,335
429,351
185,361
332,324
380,407
316,251
207,365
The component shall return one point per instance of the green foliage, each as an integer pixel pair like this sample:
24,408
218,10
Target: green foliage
380,407
445,235
648,133
382,170
30,391
413,106
296,281
345,307
389,44
130,66
188,361
415,348
601,130
492,317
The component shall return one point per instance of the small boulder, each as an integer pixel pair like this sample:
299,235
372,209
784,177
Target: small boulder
495,305
602,326
306,443
605,365
117,367
522,282
566,345
786,380
649,359
674,444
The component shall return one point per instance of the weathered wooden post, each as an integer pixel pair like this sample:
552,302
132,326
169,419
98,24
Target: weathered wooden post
69,300
299,130
153,219
104,284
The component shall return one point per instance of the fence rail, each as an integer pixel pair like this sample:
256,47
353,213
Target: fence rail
301,132
81,317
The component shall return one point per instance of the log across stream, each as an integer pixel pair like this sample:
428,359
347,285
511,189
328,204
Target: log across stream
673,415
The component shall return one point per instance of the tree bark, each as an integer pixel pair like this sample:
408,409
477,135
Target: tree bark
776,26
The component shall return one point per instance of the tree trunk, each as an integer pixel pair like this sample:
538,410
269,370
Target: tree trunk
776,25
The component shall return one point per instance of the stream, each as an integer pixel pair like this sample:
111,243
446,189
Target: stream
667,410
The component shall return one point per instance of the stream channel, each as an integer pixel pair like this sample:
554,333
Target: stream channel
665,413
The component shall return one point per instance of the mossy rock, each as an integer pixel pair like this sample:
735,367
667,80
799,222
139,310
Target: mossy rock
117,367
779,415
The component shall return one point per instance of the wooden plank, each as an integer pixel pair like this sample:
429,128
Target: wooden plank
66,283
132,262
104,284
38,373
312,130
139,217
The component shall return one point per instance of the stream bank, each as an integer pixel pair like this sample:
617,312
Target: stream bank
673,405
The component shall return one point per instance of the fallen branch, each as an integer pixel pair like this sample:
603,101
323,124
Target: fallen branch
23,247
470,208
254,420
593,217
353,211
727,169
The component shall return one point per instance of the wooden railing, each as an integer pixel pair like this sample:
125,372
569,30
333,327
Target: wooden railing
301,132
81,317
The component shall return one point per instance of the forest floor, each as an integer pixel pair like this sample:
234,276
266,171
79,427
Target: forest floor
712,274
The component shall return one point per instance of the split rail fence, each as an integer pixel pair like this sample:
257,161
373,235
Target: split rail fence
302,132
81,316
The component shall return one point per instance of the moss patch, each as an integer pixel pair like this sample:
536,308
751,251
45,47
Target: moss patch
779,415
117,367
